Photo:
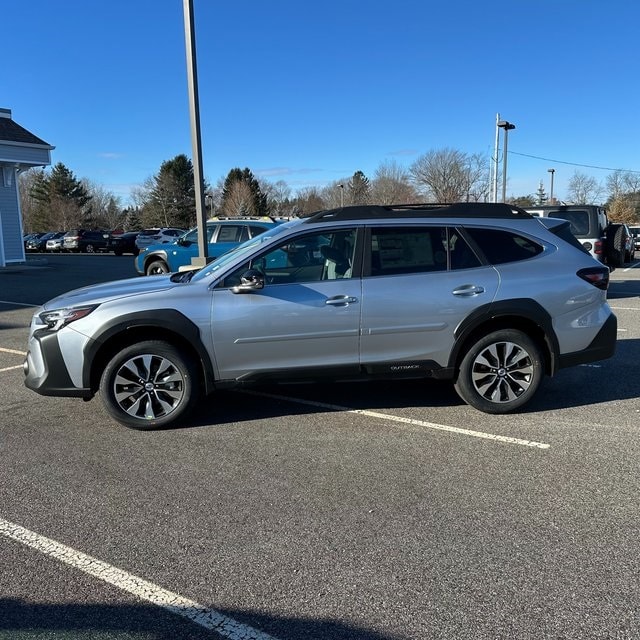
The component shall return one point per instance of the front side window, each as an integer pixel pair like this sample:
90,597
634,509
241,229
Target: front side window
312,257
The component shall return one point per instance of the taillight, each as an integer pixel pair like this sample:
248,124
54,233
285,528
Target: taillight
598,247
597,276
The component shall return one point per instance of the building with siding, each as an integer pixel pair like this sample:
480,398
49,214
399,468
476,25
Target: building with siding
19,150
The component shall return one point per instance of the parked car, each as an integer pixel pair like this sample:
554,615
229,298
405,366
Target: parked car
38,242
30,238
591,226
222,235
55,242
164,235
123,243
84,241
484,295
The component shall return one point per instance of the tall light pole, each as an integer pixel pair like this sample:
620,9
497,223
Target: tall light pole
507,126
196,145
341,187
551,171
494,164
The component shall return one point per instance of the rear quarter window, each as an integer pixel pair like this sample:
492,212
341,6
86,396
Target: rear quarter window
500,246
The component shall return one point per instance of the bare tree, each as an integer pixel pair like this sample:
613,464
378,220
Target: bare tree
334,194
449,175
583,189
239,200
308,201
106,208
278,197
28,204
392,185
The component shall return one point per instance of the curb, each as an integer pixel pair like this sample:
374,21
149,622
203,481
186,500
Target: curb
28,265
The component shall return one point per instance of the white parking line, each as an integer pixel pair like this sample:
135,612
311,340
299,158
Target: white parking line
19,304
208,618
19,353
18,366
420,423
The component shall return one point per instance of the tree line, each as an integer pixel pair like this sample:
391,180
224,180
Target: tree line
55,199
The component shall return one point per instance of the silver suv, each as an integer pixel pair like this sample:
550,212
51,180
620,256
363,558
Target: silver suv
485,295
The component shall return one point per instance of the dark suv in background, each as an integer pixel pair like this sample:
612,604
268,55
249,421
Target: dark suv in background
84,240
606,241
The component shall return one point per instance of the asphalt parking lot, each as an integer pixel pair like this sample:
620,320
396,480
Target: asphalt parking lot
363,511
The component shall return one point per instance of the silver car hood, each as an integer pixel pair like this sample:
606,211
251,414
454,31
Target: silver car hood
98,293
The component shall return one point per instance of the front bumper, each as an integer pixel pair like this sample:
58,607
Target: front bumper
45,369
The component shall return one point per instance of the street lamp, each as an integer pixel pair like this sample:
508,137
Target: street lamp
551,171
507,126
341,187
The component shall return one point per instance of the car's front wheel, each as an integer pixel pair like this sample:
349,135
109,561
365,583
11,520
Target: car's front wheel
501,372
156,268
150,385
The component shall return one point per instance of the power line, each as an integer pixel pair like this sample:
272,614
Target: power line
574,164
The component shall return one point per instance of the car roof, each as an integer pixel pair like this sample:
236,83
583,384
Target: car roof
429,210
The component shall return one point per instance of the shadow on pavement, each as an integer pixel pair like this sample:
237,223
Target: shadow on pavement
24,621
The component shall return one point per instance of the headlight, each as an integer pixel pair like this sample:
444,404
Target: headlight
59,318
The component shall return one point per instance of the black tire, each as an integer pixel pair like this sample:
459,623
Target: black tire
150,385
156,268
117,253
89,248
501,372
615,245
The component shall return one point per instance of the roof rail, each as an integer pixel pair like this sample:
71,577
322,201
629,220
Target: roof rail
427,210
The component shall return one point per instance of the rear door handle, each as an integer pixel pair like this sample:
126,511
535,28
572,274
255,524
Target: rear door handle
468,290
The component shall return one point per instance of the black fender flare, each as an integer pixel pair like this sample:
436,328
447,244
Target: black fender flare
167,321
526,309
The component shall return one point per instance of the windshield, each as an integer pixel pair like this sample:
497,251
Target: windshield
242,249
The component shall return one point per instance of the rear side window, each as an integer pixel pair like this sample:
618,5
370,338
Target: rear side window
230,233
563,231
407,250
578,219
501,246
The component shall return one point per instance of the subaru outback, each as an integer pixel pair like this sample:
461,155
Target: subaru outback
484,295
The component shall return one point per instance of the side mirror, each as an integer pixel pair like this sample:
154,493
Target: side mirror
251,280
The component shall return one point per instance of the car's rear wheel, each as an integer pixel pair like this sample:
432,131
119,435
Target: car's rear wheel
501,372
90,248
150,385
157,268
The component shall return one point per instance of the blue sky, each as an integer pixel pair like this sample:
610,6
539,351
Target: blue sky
310,92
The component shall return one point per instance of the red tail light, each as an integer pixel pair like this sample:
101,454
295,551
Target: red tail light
597,276
598,247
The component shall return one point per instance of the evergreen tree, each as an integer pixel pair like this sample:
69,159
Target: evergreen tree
541,196
171,198
359,189
62,200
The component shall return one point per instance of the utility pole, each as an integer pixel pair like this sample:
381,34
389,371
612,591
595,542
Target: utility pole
196,145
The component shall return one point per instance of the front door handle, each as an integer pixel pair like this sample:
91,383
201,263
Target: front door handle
340,301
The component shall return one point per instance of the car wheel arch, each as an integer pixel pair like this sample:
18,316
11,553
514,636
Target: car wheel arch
523,314
168,325
151,257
